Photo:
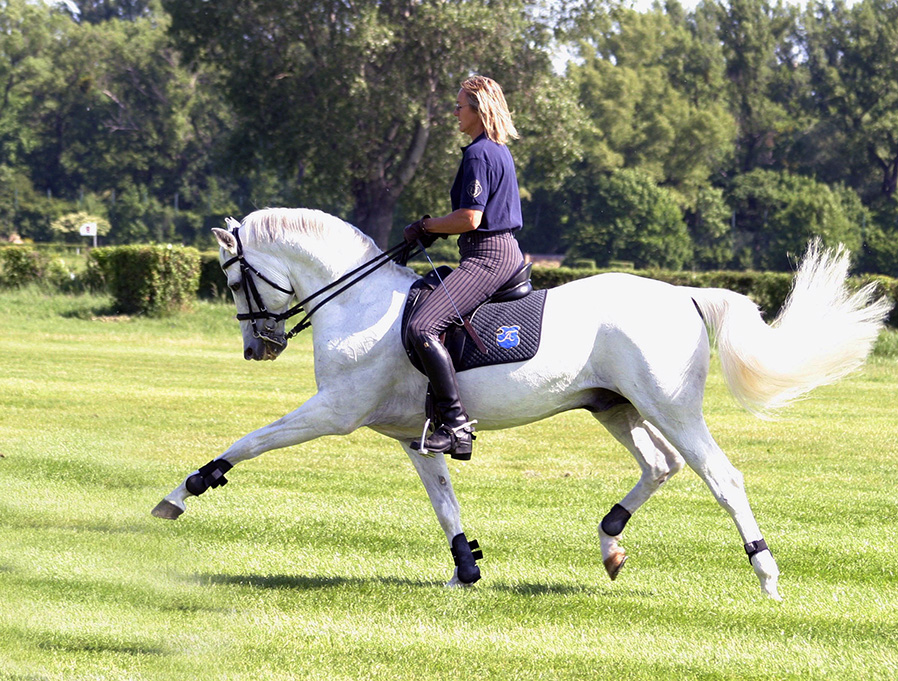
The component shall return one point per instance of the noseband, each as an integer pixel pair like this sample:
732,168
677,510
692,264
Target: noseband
401,252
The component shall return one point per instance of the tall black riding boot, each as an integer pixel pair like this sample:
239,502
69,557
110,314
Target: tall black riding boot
455,434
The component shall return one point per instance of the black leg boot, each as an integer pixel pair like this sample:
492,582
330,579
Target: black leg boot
455,434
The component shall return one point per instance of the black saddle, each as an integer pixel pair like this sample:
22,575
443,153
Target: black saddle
509,322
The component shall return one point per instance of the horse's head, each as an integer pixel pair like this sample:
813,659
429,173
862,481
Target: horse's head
262,293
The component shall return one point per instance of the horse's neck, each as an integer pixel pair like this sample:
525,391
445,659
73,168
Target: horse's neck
370,301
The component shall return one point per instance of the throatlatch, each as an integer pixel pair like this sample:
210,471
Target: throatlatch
466,554
210,475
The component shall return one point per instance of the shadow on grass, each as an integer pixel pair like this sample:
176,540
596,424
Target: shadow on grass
308,582
87,644
541,589
106,312
313,582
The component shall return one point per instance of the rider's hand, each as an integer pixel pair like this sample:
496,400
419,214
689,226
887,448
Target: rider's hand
415,232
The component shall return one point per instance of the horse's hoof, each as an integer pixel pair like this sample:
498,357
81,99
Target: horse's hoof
614,563
456,583
167,510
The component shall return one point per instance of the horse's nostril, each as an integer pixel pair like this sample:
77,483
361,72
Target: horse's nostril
248,353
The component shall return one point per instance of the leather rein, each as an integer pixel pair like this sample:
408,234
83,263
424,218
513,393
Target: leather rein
400,253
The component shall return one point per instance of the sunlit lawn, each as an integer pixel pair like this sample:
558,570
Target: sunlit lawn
326,561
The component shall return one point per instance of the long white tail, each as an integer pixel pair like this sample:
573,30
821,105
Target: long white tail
823,333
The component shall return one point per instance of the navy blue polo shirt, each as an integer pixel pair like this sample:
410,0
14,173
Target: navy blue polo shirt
486,181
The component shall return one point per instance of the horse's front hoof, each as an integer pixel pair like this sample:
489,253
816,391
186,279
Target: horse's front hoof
456,583
614,563
167,510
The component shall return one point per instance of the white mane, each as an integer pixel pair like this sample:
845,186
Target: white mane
295,226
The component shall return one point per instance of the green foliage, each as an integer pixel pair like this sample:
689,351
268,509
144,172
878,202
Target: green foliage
163,123
378,69
22,266
628,217
151,280
851,52
777,213
709,228
764,76
213,283
652,85
767,289
67,227
98,107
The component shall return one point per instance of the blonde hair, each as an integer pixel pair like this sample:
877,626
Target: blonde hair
486,97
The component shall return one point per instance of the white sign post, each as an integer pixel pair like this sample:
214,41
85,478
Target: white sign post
89,229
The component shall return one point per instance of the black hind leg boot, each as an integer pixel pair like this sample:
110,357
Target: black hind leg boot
454,435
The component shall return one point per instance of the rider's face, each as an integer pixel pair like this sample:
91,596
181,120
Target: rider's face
468,118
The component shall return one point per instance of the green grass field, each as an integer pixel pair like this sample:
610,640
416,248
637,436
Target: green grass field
326,561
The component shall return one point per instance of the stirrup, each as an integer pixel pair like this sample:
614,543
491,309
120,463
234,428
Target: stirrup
421,450
456,437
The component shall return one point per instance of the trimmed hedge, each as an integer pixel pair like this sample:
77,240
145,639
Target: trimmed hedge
767,289
160,280
213,282
25,265
151,280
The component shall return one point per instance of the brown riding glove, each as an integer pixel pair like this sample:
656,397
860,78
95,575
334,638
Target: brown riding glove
415,233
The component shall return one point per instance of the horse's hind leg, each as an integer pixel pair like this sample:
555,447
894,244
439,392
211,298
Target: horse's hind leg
658,461
693,440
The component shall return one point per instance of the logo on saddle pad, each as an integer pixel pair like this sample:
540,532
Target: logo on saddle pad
507,336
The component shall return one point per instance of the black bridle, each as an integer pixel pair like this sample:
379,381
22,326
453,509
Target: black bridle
400,252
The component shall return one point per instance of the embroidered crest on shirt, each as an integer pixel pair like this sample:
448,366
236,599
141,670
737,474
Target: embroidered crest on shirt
475,189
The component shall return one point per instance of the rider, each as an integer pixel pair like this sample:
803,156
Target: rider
486,212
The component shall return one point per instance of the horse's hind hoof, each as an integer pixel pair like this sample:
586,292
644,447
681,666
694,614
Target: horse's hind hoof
614,563
167,510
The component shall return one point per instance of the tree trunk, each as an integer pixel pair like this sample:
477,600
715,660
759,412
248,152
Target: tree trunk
376,197
374,208
889,170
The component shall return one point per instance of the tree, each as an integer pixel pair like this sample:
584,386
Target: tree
112,109
777,213
651,83
852,53
765,76
709,228
628,217
68,227
98,11
345,97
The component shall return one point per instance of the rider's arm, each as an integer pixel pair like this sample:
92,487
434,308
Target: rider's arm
457,222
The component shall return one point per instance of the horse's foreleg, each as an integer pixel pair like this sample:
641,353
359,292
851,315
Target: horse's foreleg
434,473
658,461
313,419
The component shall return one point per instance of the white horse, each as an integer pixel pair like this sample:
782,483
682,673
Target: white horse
608,336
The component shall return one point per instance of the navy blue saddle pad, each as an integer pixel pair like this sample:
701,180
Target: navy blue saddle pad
510,330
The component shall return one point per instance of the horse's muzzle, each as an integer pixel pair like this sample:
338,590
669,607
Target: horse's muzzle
263,349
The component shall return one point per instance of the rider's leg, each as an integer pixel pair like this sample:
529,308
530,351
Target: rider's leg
454,435
487,262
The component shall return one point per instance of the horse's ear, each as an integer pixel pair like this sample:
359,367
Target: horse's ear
226,240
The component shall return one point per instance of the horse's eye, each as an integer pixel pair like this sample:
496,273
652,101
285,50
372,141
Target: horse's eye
235,286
